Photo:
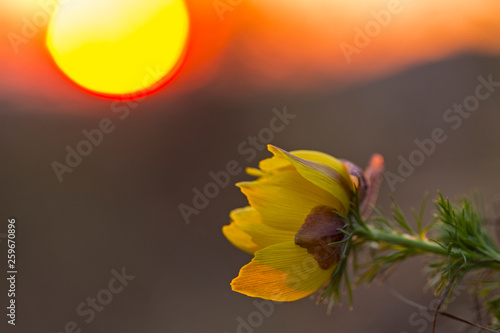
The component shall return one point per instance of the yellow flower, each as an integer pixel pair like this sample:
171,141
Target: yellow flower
290,222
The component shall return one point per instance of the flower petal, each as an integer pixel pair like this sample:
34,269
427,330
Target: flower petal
285,199
276,164
318,157
333,177
239,238
248,233
254,172
281,272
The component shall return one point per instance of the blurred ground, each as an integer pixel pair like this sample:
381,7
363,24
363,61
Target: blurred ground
119,207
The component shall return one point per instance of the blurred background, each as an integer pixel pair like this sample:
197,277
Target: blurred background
358,77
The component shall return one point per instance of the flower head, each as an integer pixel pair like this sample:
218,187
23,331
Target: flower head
292,224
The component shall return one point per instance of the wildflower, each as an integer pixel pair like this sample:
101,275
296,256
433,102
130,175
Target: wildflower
293,220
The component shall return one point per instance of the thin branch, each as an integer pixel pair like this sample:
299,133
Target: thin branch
443,313
444,296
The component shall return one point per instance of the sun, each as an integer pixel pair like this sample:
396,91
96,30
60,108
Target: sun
119,48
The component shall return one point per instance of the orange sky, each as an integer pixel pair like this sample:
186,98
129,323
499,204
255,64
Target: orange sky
290,44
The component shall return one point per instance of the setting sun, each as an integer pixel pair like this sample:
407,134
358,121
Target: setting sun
119,47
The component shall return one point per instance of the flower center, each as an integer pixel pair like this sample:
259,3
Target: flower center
320,228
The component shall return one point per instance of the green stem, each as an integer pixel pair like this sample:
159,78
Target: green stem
402,240
411,242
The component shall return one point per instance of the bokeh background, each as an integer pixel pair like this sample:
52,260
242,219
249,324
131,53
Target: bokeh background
119,207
